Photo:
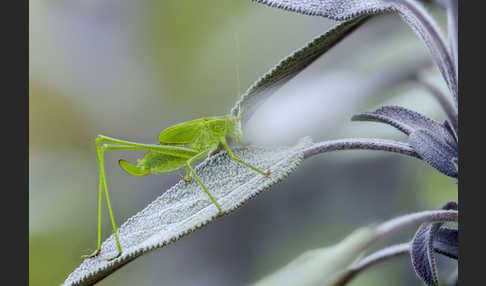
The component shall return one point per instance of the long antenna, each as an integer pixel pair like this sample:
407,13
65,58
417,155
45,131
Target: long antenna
238,73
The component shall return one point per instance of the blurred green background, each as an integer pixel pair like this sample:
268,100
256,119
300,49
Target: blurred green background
129,69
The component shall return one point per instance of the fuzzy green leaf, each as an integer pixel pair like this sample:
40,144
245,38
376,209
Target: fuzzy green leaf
323,266
185,207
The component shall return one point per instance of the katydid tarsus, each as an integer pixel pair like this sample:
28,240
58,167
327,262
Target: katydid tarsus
180,146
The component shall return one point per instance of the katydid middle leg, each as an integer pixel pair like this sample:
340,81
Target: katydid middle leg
187,178
192,160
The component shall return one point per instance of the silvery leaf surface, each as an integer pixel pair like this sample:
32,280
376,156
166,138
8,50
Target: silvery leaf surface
435,151
422,248
410,11
185,207
338,10
422,253
407,121
290,66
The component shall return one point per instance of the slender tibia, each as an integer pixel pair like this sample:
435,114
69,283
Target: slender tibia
102,184
100,195
232,156
108,203
189,162
266,174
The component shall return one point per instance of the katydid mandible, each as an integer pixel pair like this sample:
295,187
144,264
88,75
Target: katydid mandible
180,146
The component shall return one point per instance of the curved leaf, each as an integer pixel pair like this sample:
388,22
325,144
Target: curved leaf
407,121
185,207
323,266
443,99
338,264
446,242
370,260
452,24
435,151
361,144
339,10
423,246
290,66
422,253
411,12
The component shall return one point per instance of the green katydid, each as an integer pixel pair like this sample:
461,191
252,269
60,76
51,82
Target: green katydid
180,146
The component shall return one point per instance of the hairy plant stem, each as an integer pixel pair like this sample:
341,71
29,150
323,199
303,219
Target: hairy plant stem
424,25
445,103
452,29
372,259
390,228
360,144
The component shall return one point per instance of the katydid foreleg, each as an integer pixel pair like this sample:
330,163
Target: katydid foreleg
232,156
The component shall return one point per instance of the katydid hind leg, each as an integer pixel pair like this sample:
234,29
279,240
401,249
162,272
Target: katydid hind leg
132,169
128,167
192,160
100,195
164,149
108,203
103,185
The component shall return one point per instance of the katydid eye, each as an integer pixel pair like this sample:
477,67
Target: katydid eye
233,120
